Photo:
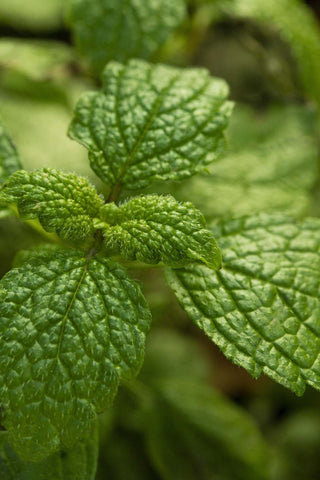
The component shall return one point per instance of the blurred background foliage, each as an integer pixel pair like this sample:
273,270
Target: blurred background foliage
191,413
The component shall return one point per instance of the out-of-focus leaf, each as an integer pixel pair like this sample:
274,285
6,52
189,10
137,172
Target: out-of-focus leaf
271,166
33,15
297,26
107,30
39,60
39,128
170,354
194,432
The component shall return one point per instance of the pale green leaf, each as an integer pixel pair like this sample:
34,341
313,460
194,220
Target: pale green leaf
71,328
271,165
76,463
37,59
107,30
38,124
297,25
63,202
194,432
263,308
34,15
152,122
155,228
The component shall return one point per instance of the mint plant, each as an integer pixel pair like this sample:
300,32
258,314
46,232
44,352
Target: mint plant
85,319
74,321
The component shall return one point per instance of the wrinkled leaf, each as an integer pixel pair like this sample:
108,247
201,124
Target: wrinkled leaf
63,202
156,228
151,122
71,328
263,308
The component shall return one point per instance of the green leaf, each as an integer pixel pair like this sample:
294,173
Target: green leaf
38,122
63,202
36,59
34,15
263,308
71,328
297,25
152,228
77,463
107,30
152,122
9,163
271,166
194,432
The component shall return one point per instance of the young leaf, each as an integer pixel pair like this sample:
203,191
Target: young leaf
152,122
76,463
63,202
106,30
263,308
71,328
154,228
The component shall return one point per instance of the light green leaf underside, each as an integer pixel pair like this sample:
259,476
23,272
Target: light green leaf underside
297,26
71,328
152,122
193,432
63,202
156,228
263,308
271,166
76,463
107,30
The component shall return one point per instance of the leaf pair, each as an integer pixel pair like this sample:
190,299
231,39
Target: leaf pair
148,228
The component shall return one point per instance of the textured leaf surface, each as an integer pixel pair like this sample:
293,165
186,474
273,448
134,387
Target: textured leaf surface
271,165
63,202
297,25
121,29
156,228
193,432
152,122
263,308
77,463
71,327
